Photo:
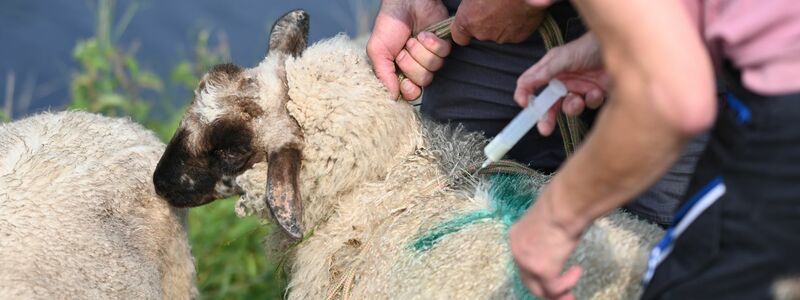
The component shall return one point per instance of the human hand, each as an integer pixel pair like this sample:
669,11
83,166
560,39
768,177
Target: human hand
501,21
541,246
578,65
392,42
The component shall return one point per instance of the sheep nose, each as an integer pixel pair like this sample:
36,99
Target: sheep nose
165,183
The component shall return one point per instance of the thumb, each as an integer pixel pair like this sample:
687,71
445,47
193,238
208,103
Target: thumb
385,70
388,37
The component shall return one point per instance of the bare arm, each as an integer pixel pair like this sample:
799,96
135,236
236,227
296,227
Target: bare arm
661,95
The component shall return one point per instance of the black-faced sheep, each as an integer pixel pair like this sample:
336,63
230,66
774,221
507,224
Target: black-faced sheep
79,218
382,199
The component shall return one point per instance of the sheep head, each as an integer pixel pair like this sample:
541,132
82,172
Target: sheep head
238,117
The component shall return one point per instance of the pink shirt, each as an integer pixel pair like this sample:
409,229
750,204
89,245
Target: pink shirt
760,37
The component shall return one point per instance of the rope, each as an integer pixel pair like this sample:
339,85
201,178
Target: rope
572,128
502,167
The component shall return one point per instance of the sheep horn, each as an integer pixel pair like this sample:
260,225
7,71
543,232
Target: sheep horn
283,195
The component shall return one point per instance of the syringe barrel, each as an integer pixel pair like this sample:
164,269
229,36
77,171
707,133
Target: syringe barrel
525,120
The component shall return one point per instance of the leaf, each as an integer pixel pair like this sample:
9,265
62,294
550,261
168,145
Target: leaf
112,100
150,80
182,74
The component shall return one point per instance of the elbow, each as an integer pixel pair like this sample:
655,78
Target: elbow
689,110
699,119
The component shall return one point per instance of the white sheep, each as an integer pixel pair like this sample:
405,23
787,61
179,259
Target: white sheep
79,218
381,198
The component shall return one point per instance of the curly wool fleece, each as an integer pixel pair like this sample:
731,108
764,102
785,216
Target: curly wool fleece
392,213
79,217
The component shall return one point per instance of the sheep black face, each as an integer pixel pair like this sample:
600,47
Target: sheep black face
214,142
237,118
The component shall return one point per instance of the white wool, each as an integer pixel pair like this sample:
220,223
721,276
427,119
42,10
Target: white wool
207,108
373,180
79,217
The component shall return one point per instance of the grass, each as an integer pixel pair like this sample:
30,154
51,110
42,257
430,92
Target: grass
230,260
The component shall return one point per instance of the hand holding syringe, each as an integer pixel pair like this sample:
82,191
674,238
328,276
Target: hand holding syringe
523,122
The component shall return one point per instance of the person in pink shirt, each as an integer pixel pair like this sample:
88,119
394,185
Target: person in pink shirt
738,229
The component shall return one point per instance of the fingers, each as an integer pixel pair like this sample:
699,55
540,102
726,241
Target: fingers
594,98
528,82
418,60
558,287
409,90
548,122
433,44
552,287
535,77
573,104
459,30
413,70
422,56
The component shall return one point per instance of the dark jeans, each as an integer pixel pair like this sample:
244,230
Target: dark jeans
746,233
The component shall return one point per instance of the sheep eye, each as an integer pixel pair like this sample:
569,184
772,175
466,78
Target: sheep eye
230,160
225,154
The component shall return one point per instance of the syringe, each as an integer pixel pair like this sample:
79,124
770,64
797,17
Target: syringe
523,122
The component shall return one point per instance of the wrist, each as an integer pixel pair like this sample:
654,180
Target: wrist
559,203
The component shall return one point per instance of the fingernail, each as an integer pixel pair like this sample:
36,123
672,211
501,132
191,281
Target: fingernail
424,37
574,105
401,56
410,43
407,86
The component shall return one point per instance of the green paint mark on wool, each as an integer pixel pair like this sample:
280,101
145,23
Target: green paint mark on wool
427,241
511,196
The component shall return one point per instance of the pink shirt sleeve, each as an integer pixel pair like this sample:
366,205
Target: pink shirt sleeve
760,37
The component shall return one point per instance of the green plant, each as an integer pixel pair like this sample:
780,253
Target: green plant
228,252
110,81
230,261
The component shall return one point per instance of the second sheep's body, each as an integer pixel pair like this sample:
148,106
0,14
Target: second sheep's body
79,218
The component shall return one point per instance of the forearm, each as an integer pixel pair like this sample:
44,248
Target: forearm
661,95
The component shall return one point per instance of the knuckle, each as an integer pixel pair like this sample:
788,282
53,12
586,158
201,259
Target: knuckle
435,64
427,78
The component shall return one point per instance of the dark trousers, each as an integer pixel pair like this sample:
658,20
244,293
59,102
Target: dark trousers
738,229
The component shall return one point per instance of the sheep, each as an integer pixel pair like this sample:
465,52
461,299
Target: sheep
371,199
79,217
786,288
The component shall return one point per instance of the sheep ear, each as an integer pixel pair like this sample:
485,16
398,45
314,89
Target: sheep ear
289,35
283,195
